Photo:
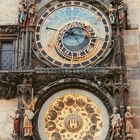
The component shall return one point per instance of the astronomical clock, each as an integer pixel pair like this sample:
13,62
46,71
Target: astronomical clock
69,54
73,34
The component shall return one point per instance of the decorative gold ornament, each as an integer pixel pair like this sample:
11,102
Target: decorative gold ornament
73,117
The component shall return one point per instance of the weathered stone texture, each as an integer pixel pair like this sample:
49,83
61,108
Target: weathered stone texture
132,54
133,12
7,108
8,12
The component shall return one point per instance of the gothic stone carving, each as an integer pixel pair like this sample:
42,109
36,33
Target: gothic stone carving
27,13
12,29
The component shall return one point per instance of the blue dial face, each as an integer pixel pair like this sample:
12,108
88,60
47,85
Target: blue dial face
75,39
73,34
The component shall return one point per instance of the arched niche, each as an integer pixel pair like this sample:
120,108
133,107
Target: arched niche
125,97
117,98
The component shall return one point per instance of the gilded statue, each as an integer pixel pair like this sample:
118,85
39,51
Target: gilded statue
28,116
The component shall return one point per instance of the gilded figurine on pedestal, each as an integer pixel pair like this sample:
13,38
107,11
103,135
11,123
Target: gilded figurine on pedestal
28,116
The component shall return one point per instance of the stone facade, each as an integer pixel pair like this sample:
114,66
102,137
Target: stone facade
9,12
132,55
133,74
7,108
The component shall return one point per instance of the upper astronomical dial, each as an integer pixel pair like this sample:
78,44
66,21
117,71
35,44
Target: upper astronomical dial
75,41
73,34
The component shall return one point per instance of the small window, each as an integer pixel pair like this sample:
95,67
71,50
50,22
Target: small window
6,55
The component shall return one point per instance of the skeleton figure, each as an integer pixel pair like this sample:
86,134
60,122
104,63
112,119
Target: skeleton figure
31,15
28,116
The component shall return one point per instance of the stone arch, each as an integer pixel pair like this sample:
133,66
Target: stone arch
117,98
125,96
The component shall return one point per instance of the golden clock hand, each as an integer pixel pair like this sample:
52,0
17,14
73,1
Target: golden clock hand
101,39
77,41
80,35
51,28
68,34
95,37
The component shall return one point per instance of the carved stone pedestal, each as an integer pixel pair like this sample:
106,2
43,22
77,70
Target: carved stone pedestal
28,138
129,138
119,137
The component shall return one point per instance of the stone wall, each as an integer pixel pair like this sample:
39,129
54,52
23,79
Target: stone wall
133,12
8,12
132,53
7,108
8,16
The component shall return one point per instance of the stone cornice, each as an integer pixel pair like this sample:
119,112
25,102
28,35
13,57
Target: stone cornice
8,29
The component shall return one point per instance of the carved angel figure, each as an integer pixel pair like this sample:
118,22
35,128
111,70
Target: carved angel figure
28,116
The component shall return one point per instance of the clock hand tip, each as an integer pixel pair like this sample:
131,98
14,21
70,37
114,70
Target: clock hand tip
51,28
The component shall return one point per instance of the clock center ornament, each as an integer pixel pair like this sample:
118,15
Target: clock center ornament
73,34
73,122
73,116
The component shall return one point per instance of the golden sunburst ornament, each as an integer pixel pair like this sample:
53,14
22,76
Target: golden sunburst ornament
73,117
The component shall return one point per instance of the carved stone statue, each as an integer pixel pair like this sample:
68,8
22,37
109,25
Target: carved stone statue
112,13
22,14
27,14
128,119
122,13
16,124
8,86
116,122
28,116
109,85
32,15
